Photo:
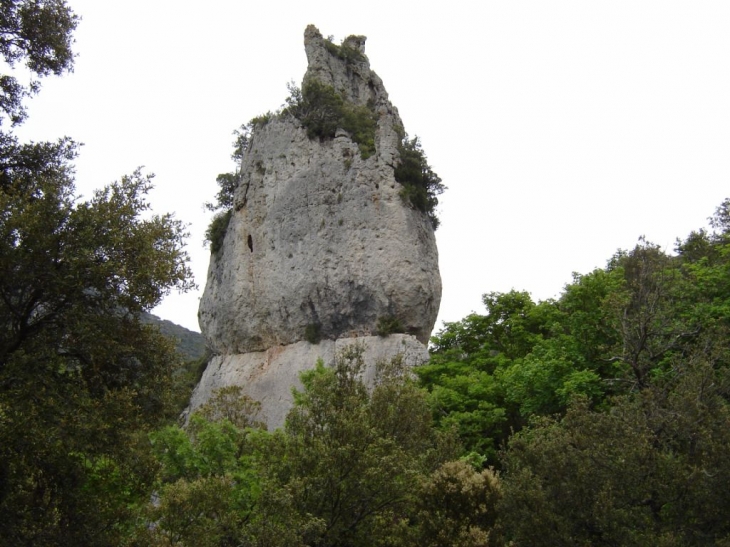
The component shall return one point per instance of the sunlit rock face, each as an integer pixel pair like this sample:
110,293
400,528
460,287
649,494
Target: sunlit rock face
320,239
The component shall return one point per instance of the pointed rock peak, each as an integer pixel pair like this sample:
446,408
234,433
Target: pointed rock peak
353,44
344,67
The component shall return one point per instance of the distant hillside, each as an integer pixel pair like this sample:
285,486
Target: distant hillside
189,343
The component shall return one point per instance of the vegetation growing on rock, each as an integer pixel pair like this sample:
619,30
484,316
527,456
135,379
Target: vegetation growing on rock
345,50
216,231
389,325
421,185
322,111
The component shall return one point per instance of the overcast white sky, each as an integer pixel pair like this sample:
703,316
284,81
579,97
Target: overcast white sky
563,129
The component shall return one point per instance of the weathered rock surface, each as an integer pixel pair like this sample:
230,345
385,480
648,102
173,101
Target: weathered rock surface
319,239
320,236
268,376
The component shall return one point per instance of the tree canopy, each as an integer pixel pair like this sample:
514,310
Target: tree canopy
38,34
351,467
81,377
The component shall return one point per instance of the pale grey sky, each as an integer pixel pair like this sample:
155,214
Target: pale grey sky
563,129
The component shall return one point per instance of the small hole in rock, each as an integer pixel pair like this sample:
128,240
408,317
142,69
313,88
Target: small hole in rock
250,243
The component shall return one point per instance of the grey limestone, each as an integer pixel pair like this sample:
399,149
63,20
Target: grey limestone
318,236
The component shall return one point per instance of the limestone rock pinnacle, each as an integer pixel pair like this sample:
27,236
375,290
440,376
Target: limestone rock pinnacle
320,242
320,237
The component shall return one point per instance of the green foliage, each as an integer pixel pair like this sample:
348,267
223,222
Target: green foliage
39,34
80,375
194,356
345,50
216,231
322,111
546,378
352,458
347,469
229,403
361,122
649,472
227,183
458,507
210,489
421,185
319,107
262,120
352,467
189,344
477,377
389,325
313,333
612,331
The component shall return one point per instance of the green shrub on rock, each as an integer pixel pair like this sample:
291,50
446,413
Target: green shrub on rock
421,185
322,111
389,325
217,230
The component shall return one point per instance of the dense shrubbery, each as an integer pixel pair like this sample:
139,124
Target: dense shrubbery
351,467
606,409
322,111
227,184
606,412
82,378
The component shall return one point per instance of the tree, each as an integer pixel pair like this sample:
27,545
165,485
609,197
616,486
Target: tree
651,470
476,375
38,33
81,377
458,507
352,458
349,468
227,182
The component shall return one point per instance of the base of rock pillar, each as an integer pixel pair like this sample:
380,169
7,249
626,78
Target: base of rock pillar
268,376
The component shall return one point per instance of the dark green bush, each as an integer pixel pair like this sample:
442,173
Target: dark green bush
344,51
217,230
320,111
261,120
420,184
389,325
323,111
313,333
361,122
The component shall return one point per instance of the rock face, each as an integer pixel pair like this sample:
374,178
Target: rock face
268,376
320,240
